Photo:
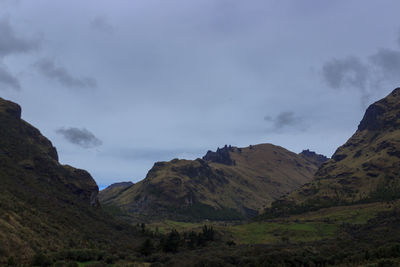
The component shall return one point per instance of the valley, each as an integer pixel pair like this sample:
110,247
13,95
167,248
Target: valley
260,205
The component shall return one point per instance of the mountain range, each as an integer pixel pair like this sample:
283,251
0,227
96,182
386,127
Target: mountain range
228,184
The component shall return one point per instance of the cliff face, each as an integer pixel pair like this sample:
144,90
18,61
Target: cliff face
230,183
44,205
367,164
23,148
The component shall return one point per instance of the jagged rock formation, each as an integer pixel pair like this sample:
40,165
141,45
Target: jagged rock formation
220,156
316,159
44,205
367,166
231,183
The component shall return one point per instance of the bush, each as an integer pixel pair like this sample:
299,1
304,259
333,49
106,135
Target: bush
41,260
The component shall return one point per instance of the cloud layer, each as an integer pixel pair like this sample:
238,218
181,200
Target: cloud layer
48,68
365,75
286,120
157,79
80,137
7,80
12,43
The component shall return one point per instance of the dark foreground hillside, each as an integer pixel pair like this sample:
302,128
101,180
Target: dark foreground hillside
46,207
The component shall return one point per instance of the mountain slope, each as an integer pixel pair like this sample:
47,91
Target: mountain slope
367,166
46,206
230,183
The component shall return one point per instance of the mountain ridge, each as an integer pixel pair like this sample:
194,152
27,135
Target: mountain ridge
233,181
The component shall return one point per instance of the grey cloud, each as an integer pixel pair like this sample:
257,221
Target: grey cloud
347,72
285,119
81,137
7,80
102,24
388,62
398,38
366,76
48,68
11,43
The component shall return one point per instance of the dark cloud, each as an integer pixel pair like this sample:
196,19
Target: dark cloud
367,76
49,69
388,62
101,23
80,137
11,43
347,72
7,80
285,119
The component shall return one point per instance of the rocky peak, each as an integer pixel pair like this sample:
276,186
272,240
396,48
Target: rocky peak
220,156
383,114
9,108
309,155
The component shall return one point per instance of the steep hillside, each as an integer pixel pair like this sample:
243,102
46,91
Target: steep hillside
230,183
367,167
113,190
46,206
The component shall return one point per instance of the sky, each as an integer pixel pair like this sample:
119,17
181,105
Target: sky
118,85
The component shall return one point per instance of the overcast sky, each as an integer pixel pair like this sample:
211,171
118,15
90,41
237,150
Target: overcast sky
118,85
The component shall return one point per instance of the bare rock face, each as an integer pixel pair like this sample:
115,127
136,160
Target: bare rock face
317,159
220,156
382,115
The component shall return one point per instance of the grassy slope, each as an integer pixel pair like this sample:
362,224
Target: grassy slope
261,174
368,159
311,226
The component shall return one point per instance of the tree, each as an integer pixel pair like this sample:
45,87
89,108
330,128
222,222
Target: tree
147,248
171,242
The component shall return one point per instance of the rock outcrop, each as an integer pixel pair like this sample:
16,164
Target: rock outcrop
316,159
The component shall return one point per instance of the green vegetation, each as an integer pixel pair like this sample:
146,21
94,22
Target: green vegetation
264,233
199,211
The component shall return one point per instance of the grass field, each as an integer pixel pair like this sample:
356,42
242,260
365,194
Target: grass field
311,226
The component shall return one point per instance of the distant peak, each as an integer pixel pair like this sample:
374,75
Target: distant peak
121,184
221,155
311,155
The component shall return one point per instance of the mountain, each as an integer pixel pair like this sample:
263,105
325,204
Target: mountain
367,167
46,206
231,183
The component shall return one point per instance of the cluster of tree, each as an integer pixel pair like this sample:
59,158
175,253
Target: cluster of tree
171,242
